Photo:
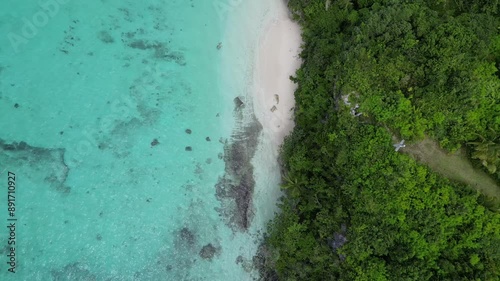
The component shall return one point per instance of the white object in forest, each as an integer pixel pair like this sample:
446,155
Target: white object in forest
399,145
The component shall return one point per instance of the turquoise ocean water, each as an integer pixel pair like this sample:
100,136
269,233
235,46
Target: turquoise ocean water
111,114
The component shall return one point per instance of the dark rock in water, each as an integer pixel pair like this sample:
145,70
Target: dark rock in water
22,145
185,247
9,146
105,37
235,189
242,195
16,105
155,142
218,114
239,260
188,131
187,236
207,139
16,146
49,160
139,44
208,251
177,57
189,148
238,102
98,237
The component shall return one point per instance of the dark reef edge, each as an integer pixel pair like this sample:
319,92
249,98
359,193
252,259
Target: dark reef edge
235,189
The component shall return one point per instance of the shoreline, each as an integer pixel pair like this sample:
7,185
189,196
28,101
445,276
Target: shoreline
276,59
258,55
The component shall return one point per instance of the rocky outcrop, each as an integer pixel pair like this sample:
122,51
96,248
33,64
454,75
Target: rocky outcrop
235,189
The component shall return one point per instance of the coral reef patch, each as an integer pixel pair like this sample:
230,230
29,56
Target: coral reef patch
209,251
47,162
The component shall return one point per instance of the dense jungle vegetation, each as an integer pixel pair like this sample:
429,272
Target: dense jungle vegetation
355,209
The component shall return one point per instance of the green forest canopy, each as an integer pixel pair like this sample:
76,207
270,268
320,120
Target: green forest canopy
357,210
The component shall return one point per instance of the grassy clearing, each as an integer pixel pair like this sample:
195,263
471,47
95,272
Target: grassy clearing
455,166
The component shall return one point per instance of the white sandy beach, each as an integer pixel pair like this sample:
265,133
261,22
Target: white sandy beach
277,60
259,54
273,98
262,53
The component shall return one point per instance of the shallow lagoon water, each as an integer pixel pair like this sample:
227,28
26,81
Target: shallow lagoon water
112,117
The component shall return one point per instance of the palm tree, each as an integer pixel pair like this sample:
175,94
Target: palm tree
292,184
488,152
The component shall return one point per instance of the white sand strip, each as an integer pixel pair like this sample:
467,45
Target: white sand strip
273,98
259,53
277,60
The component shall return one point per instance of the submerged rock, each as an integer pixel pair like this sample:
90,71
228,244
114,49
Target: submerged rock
209,251
49,161
188,236
155,142
235,189
105,37
238,102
